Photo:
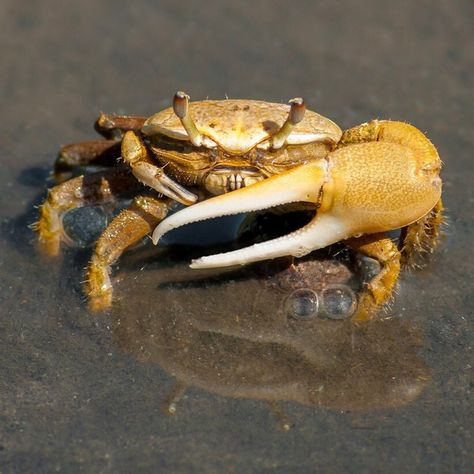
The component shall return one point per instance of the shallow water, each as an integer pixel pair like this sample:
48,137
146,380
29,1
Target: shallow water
218,372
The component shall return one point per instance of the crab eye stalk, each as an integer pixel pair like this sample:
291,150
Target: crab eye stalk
180,107
295,116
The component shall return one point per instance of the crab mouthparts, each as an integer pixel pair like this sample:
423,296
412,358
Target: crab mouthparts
301,184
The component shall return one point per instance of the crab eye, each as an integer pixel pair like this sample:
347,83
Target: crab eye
295,116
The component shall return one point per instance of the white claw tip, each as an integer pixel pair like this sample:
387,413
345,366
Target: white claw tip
156,236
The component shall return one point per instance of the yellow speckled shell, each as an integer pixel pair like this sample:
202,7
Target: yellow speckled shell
239,125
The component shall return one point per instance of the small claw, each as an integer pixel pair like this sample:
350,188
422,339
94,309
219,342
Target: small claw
180,107
157,179
166,186
135,154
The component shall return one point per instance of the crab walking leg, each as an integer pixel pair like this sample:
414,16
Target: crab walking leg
104,152
126,229
380,288
88,189
422,236
114,126
93,152
136,155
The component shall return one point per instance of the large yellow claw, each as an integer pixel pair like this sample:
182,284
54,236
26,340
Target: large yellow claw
384,178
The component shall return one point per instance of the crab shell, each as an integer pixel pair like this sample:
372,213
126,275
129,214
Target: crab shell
238,126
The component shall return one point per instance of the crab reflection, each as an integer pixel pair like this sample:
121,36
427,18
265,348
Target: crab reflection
236,337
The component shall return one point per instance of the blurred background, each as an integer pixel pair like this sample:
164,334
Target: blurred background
71,400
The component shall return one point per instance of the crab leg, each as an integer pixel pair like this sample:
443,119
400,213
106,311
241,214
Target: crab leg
421,237
93,152
85,153
114,126
379,289
93,188
126,229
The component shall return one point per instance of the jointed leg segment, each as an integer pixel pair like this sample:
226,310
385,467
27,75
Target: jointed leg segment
122,138
422,236
77,192
93,152
126,229
114,126
380,288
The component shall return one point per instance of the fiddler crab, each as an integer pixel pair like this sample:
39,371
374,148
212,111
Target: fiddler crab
254,155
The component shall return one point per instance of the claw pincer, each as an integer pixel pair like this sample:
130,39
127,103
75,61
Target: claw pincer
365,188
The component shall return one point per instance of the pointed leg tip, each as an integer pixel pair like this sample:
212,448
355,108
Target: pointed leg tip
104,121
100,305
